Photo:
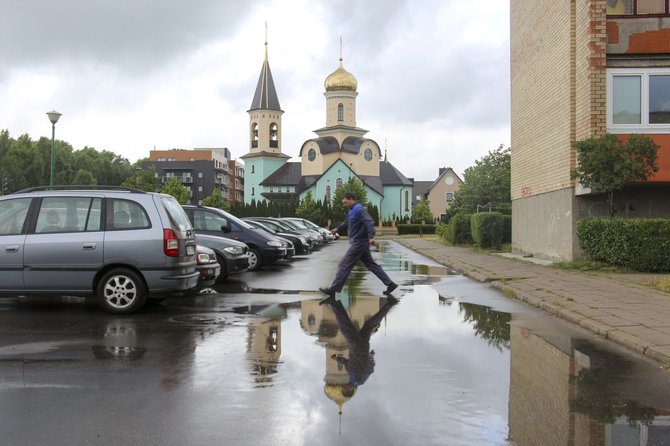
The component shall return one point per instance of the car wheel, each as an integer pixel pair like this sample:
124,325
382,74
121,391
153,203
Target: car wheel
224,271
255,259
121,291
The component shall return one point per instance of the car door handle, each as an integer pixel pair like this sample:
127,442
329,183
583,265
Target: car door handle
12,248
89,245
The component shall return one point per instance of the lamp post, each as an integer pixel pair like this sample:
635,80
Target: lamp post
53,117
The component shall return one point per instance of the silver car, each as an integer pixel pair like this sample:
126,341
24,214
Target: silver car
121,245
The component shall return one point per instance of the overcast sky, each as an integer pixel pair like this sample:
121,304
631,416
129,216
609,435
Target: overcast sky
133,75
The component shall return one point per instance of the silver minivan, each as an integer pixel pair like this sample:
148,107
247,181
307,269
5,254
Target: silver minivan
121,245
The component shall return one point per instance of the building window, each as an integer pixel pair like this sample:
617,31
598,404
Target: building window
311,155
450,196
338,183
199,174
272,188
637,7
199,188
253,191
406,200
328,193
638,99
253,168
340,112
367,154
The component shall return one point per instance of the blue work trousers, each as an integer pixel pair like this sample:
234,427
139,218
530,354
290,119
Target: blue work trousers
358,250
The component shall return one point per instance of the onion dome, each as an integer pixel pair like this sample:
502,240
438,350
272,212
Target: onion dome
340,80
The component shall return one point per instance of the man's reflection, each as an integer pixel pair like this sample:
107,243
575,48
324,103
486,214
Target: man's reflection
361,363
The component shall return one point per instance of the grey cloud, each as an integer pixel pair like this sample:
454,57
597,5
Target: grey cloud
133,35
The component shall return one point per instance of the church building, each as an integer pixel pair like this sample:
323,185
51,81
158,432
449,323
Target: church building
339,152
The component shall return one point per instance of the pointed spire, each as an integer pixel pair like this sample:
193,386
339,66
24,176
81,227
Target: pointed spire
265,97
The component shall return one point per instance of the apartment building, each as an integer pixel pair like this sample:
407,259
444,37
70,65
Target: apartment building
580,69
200,170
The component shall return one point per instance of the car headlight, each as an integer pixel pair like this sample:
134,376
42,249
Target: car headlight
234,250
203,258
303,240
275,244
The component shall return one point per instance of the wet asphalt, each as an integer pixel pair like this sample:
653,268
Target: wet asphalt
258,360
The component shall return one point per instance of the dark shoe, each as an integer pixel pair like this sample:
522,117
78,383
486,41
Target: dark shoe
391,301
389,289
327,291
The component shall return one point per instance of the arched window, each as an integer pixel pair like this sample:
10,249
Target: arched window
274,132
328,193
340,112
406,200
254,135
338,183
253,191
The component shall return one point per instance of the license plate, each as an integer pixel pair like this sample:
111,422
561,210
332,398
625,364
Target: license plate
190,250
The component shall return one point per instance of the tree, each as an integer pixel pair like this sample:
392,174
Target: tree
421,212
174,187
355,186
309,209
83,177
216,200
142,179
608,163
488,181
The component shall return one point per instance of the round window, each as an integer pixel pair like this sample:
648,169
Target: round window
311,155
368,154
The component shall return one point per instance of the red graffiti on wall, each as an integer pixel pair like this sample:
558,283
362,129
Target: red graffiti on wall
526,191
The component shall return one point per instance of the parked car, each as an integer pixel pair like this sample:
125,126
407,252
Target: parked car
319,239
329,236
300,242
207,266
264,248
232,256
121,245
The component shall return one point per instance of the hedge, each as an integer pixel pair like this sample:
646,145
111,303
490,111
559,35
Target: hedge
641,244
487,229
416,229
458,230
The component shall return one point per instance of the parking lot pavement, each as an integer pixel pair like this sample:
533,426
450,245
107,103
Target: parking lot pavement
627,313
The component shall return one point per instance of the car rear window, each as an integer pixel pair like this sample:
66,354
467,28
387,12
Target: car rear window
176,214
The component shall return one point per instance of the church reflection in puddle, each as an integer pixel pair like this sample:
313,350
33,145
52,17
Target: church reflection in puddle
560,389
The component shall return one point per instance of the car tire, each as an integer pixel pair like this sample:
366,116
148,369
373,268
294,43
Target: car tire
255,259
121,291
224,271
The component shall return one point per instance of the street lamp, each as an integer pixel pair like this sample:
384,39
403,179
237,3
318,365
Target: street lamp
53,117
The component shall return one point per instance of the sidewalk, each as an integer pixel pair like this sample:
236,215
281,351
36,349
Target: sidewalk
635,316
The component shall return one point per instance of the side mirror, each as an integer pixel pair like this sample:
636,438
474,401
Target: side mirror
225,229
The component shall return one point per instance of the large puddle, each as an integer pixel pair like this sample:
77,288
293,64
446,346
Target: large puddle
451,362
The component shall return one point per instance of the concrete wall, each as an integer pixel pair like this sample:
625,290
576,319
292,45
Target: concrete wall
543,225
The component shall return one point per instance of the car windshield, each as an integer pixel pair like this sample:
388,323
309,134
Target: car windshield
234,219
291,224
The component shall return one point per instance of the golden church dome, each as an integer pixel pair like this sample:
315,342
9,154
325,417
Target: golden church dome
339,393
340,80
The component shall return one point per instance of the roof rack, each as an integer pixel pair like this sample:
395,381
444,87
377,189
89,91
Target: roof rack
80,187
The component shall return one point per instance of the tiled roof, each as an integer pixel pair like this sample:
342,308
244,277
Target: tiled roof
286,175
265,97
391,176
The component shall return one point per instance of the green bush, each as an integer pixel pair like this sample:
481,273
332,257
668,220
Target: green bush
641,244
440,230
416,229
458,230
487,229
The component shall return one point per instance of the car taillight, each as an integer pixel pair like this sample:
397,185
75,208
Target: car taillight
170,243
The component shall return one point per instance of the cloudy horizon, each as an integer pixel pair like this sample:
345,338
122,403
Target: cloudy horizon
131,76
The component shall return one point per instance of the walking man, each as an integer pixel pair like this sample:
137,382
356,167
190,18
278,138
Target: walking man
361,230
